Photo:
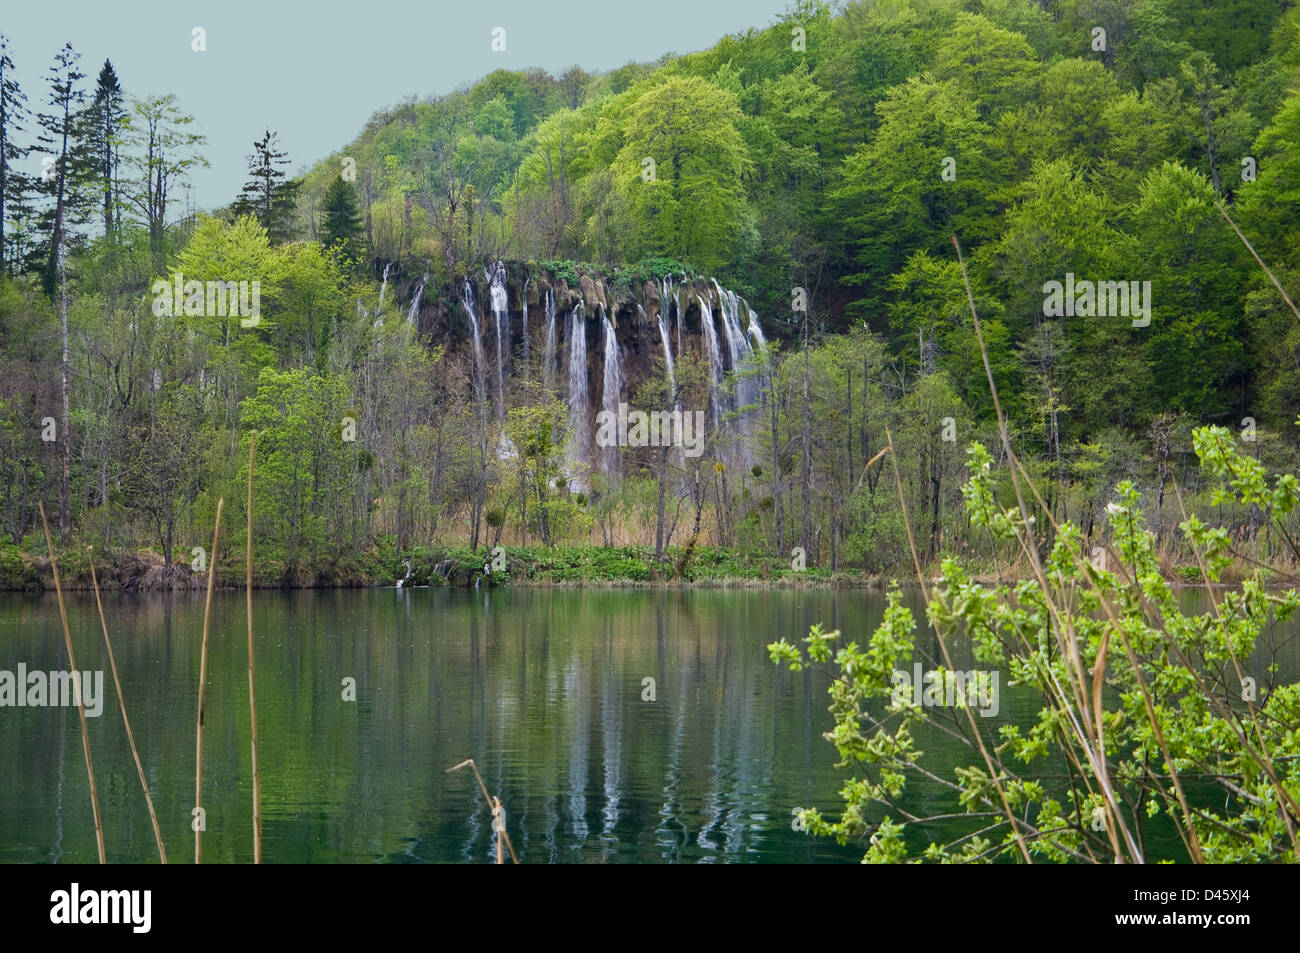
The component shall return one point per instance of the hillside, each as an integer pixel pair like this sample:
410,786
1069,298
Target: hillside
760,232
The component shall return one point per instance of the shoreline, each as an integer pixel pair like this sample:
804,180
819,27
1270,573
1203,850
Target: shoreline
459,567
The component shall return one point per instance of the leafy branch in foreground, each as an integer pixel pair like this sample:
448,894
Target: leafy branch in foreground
1146,713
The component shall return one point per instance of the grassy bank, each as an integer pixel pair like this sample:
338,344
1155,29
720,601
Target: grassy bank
143,570
25,568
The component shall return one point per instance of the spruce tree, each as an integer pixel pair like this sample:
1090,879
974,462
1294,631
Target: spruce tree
342,224
104,121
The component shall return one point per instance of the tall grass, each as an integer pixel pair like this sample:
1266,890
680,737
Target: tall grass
252,694
495,806
121,701
76,687
203,684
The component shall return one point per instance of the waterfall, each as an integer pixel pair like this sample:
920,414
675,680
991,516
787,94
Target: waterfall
755,329
733,353
731,340
579,409
681,317
612,391
742,353
667,297
383,285
501,317
668,357
413,315
548,359
467,300
526,283
715,358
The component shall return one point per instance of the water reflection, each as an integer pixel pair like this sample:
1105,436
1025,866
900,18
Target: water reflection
542,688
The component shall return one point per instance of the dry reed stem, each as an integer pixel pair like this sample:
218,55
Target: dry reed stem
493,804
1265,760
947,660
121,701
1066,635
203,683
868,467
1260,261
498,813
1099,764
76,684
252,695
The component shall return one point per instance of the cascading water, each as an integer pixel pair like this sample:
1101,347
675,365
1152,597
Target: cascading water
733,353
379,311
525,297
467,299
668,355
681,315
731,340
665,303
501,317
413,314
715,358
579,408
668,298
548,359
742,353
612,392
755,329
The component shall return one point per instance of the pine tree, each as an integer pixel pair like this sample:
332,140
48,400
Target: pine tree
13,184
342,225
269,194
104,121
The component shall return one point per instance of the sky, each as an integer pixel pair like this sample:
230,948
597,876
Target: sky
316,72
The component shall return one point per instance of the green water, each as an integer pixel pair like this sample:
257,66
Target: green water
543,688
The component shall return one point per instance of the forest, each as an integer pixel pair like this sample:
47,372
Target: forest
413,404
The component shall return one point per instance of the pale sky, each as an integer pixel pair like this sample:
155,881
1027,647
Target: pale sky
316,72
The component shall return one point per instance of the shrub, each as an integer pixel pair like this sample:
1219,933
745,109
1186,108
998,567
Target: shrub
1156,714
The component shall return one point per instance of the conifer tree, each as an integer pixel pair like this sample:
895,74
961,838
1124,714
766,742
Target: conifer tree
342,224
269,194
104,121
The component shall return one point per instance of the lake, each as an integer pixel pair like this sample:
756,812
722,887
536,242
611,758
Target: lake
545,689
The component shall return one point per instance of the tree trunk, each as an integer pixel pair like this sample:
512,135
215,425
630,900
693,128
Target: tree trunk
778,509
65,484
659,504
806,476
